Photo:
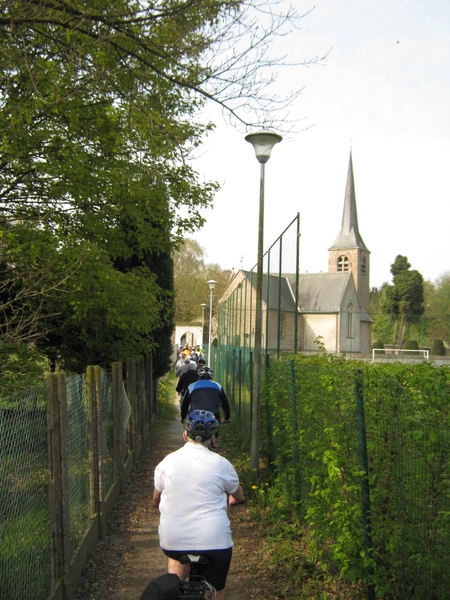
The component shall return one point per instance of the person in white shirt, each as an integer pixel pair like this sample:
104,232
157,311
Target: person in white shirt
193,488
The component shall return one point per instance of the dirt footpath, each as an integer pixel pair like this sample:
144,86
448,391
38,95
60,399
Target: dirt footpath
129,556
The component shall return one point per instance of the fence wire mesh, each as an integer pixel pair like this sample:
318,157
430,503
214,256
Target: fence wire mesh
234,369
280,318
78,458
107,478
362,453
27,523
126,412
24,511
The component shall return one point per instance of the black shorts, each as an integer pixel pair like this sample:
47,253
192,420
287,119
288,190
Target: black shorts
215,573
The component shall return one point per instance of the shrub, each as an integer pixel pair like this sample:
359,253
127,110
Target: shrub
378,346
411,345
438,348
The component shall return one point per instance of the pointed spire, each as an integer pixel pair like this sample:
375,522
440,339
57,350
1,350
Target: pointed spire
349,236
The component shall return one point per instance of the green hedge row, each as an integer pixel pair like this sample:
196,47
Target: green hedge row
313,441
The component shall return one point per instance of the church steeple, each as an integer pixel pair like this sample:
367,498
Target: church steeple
349,252
349,236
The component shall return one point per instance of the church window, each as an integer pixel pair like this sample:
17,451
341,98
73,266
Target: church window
363,265
342,264
350,319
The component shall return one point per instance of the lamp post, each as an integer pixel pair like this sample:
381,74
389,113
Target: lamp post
203,305
262,142
212,284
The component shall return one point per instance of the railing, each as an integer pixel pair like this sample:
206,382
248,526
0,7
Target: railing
400,352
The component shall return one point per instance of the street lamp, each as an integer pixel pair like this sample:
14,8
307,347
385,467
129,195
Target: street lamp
212,284
203,305
262,142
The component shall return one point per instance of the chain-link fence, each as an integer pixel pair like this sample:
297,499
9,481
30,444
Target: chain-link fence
65,452
234,369
280,316
362,453
24,510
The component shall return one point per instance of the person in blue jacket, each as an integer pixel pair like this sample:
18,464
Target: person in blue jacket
206,394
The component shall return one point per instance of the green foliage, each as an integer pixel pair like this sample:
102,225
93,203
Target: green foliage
98,130
411,345
379,346
93,177
433,324
397,310
166,410
438,308
314,449
105,315
438,348
191,273
400,265
406,296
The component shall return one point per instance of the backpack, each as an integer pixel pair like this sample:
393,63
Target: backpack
165,587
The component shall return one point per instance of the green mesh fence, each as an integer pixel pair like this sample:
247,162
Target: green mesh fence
234,369
408,445
107,477
78,459
24,512
26,564
361,452
126,411
280,316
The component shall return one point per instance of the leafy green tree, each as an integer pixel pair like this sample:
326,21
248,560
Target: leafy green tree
191,273
404,300
438,309
382,326
29,274
406,296
97,128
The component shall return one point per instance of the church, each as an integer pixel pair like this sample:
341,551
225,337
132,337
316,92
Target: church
307,312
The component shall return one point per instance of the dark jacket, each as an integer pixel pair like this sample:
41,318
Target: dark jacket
205,394
185,380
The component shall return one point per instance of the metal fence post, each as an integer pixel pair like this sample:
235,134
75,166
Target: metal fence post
295,460
297,282
365,489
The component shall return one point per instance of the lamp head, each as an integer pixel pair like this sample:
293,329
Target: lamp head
263,142
212,284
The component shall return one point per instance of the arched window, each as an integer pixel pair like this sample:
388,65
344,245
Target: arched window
350,319
342,264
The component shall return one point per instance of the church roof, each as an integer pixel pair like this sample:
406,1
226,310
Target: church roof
349,236
272,285
318,292
321,292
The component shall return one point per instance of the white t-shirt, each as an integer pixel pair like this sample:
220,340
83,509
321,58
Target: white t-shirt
194,483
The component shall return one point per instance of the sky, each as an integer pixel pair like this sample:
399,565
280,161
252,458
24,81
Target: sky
383,93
